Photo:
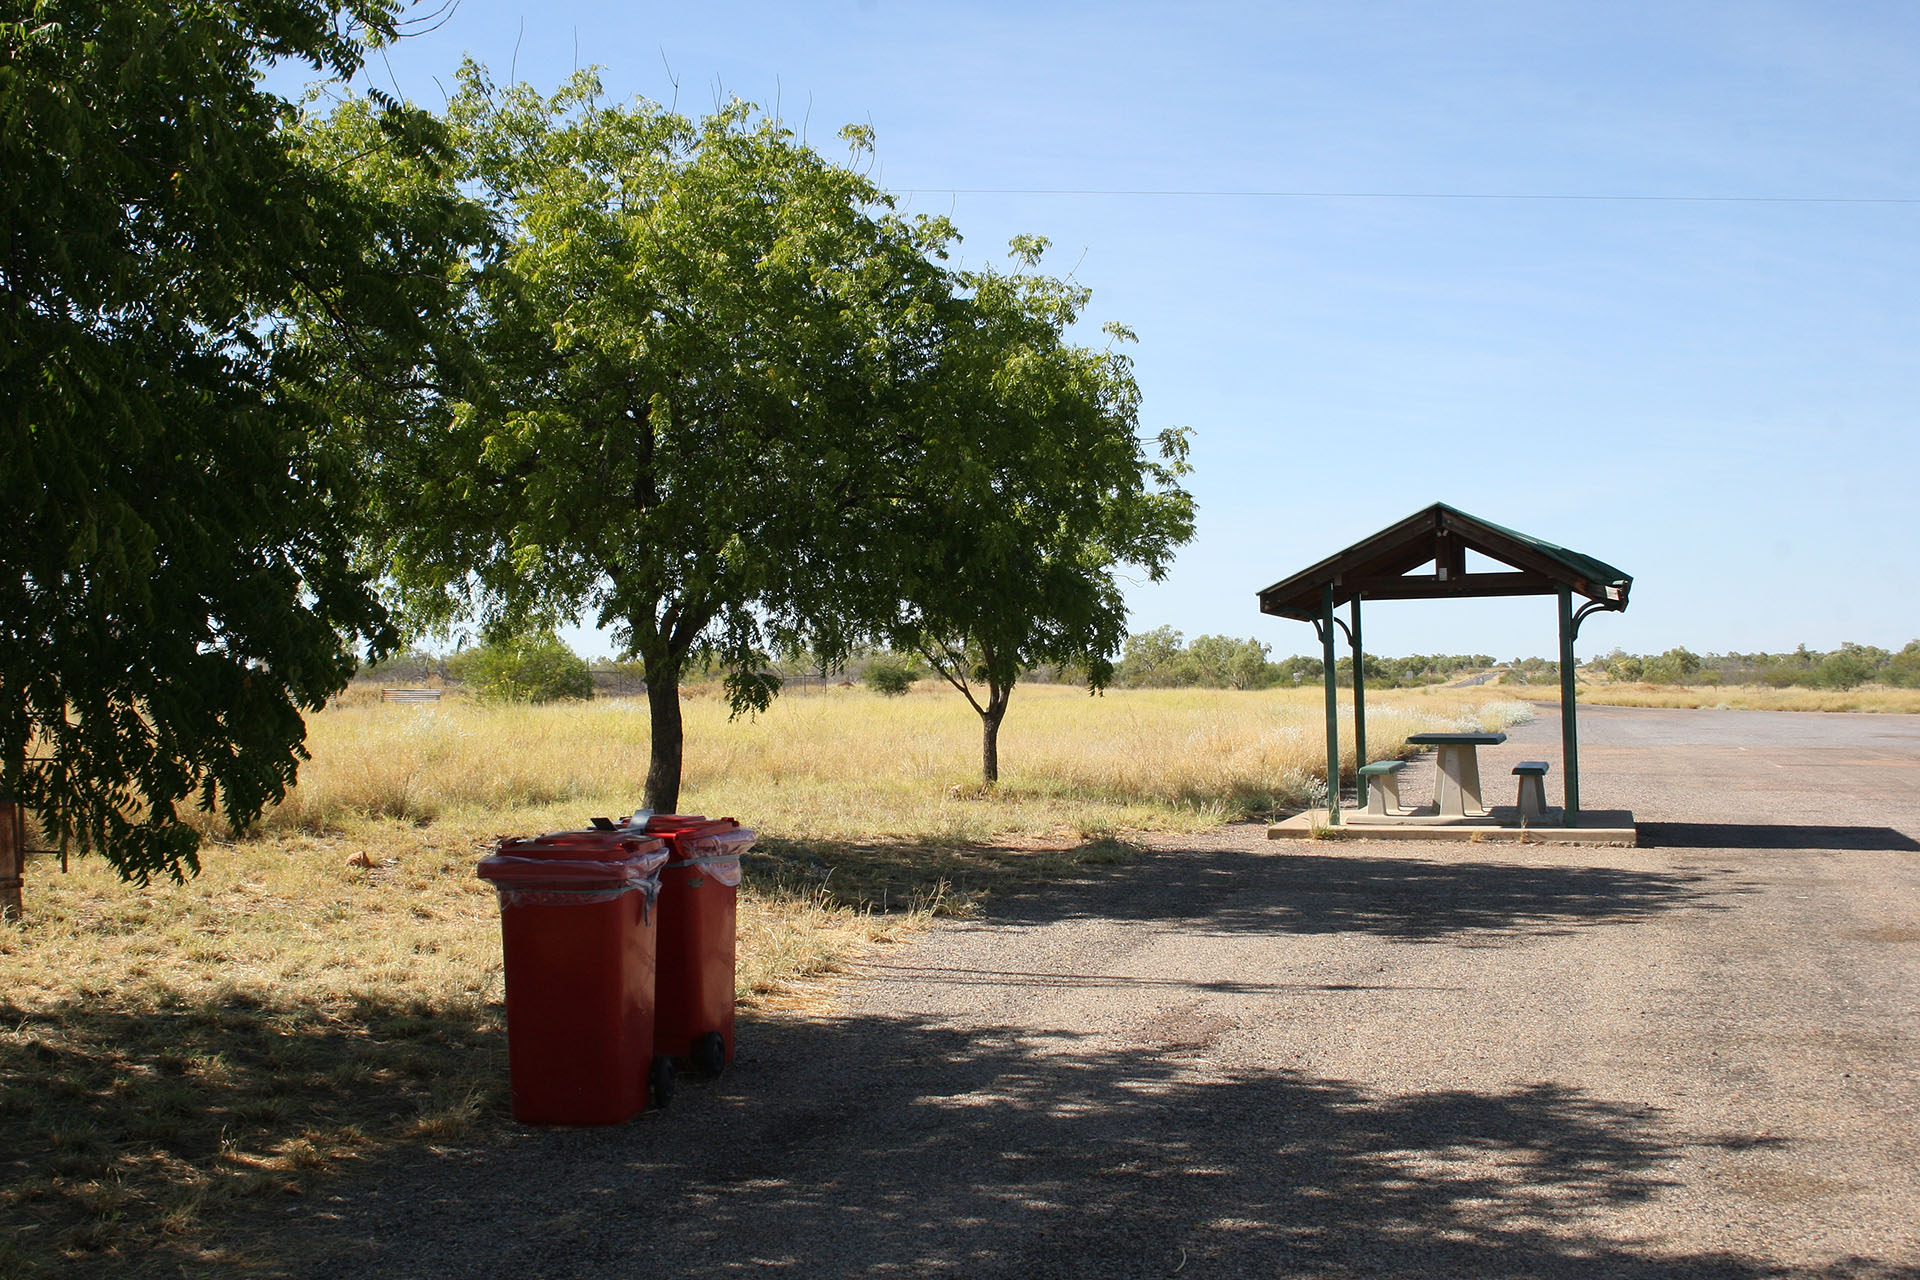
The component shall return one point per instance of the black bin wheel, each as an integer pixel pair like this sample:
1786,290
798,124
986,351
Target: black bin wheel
710,1053
660,1082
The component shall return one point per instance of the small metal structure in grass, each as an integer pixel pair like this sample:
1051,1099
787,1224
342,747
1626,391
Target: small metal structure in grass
1424,557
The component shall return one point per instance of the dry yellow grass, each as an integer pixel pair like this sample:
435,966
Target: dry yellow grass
850,765
168,1053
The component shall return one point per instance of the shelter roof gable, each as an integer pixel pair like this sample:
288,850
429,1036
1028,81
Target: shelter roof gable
1381,567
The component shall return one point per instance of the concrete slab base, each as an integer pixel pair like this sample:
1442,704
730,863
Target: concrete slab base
1500,826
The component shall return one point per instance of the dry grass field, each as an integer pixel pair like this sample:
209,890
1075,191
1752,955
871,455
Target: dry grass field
330,984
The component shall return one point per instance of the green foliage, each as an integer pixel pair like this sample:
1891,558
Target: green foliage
1903,668
1675,666
686,385
1156,657
1162,658
709,387
890,675
1226,663
530,668
178,583
1032,493
1847,667
1624,666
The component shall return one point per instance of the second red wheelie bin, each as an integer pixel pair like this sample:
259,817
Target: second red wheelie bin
578,923
693,984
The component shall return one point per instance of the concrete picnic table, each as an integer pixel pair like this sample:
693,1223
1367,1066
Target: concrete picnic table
1456,781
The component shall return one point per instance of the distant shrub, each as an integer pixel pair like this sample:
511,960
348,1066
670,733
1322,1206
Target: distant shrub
1626,666
1675,666
1845,669
1903,668
536,668
891,677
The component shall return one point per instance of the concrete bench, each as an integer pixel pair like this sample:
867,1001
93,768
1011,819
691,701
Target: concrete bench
1382,781
1532,801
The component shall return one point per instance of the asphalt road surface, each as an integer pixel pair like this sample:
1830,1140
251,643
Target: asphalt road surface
1249,1058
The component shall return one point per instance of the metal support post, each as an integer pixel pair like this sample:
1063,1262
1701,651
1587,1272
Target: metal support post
1333,705
1359,691
1569,726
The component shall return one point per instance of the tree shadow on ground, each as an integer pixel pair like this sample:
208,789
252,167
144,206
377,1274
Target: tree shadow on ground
1773,835
1213,888
1229,891
129,1129
889,1146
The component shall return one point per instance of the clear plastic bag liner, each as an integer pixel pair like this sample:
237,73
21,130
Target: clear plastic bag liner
548,896
716,853
564,874
561,897
716,844
724,867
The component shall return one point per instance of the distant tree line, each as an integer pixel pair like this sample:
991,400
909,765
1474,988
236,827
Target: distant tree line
1847,667
1162,658
541,668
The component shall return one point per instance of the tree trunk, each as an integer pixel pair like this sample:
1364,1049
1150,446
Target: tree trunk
664,751
13,827
990,718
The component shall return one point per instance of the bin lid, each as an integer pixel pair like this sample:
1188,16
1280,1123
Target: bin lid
613,844
691,835
574,859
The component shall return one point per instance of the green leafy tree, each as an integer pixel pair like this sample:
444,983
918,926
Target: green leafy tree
682,398
1150,657
1223,662
890,675
1015,541
1247,666
176,584
1903,668
530,668
1848,667
1675,666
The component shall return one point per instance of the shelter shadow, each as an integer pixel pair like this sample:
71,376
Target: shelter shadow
1771,835
1414,898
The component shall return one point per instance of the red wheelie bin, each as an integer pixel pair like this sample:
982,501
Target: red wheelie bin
578,923
693,991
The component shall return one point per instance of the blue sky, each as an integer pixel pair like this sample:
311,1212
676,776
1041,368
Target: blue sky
1718,397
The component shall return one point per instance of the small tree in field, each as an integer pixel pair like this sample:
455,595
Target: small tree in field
889,676
1022,534
534,668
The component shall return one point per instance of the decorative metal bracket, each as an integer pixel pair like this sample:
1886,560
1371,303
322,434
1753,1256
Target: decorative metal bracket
1591,606
1320,631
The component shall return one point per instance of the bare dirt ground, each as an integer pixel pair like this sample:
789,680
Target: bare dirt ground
1249,1058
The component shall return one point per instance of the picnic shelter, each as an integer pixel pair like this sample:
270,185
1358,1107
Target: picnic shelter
1424,557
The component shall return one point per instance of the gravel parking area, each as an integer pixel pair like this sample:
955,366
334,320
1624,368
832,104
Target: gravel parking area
1239,1057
